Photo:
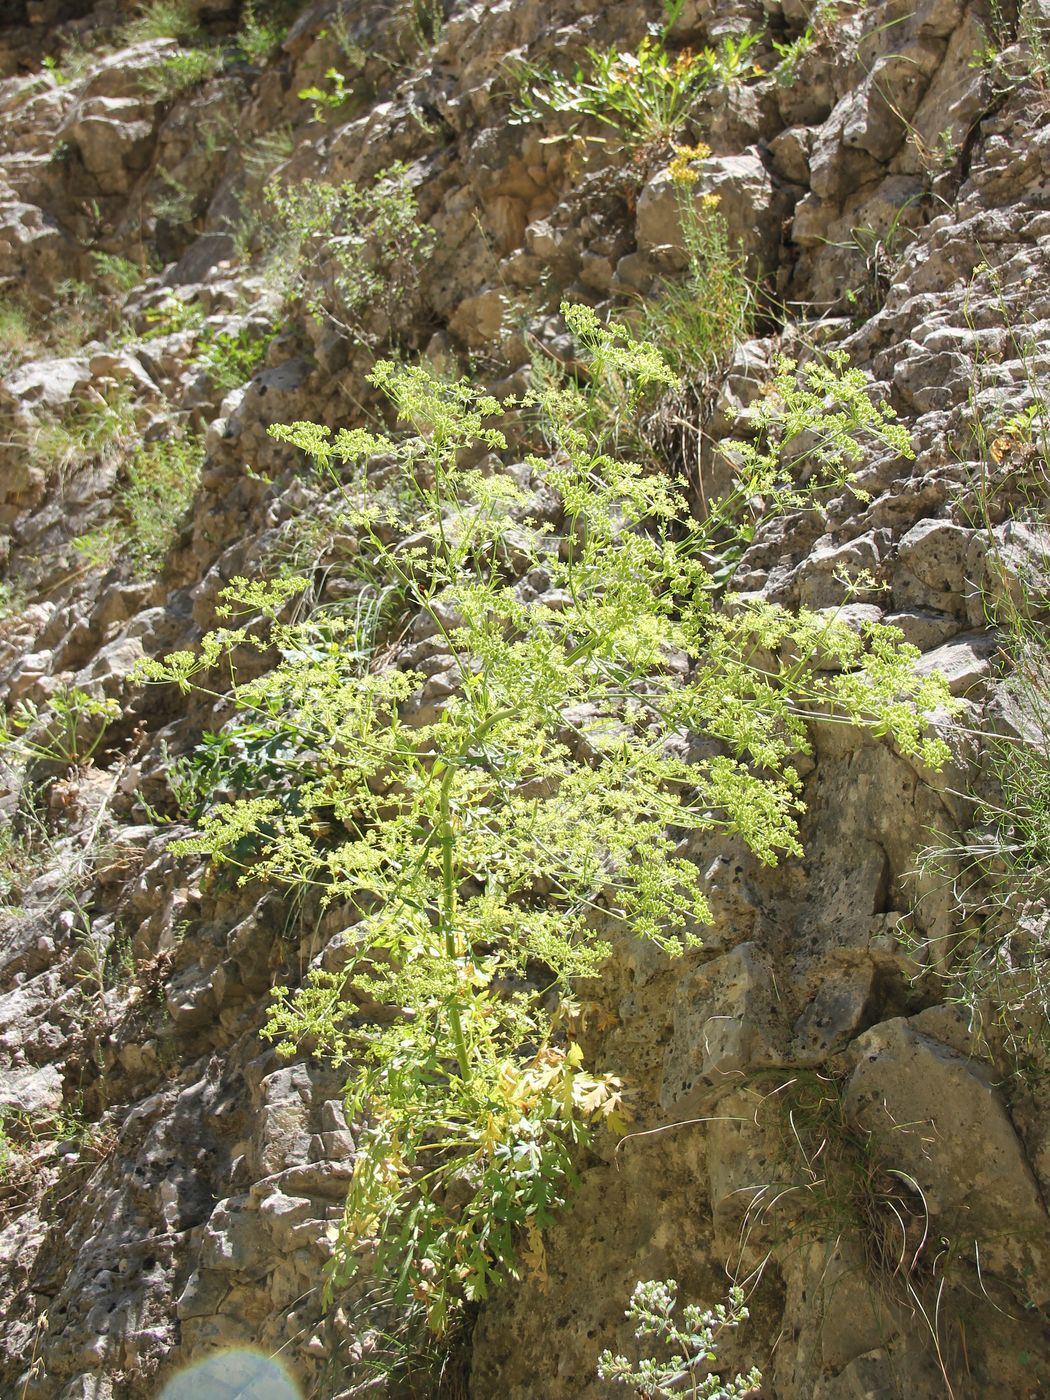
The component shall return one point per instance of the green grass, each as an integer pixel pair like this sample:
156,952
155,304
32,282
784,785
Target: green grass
12,599
259,39
90,431
119,273
16,334
163,19
700,317
180,72
231,359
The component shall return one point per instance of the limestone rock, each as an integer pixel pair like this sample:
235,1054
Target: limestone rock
34,1094
726,1022
747,200
963,662
927,1108
119,74
49,383
113,136
893,195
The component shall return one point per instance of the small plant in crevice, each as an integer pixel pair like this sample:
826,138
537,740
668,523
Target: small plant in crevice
174,203
72,63
172,316
231,358
644,97
328,99
93,430
258,39
819,30
1005,440
340,32
701,317
68,730
348,252
119,273
20,1132
159,19
16,335
241,760
839,1190
179,72
157,482
26,843
219,132
833,1184
881,250
25,1140
12,598
485,837
687,1345
396,1349
266,152
82,312
426,19
1013,50
365,605
62,153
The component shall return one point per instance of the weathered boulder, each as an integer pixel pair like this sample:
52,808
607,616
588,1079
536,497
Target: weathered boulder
937,1117
746,198
114,136
33,1095
34,251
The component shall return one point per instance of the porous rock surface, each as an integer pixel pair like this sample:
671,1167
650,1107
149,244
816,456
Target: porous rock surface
809,1114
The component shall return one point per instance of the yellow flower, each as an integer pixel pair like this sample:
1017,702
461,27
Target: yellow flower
683,158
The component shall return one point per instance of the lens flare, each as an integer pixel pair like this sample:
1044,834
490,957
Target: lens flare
240,1374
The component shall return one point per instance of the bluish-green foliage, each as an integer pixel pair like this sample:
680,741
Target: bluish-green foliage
686,1345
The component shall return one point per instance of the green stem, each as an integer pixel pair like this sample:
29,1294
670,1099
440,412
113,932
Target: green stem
448,916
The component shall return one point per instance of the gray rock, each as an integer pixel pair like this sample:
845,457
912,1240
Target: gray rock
199,259
726,1021
119,73
746,200
837,1012
34,1094
50,383
934,551
924,627
234,1239
113,136
926,1107
963,662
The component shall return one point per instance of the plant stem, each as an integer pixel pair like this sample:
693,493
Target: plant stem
448,916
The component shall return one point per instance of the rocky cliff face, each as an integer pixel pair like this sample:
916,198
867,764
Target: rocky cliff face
811,1113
